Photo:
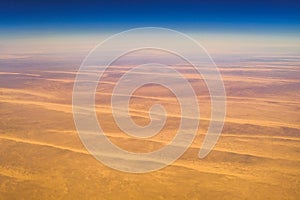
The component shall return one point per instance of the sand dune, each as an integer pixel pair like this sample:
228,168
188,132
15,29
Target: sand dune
104,109
256,157
42,144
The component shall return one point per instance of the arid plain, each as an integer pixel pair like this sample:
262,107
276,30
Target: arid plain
256,157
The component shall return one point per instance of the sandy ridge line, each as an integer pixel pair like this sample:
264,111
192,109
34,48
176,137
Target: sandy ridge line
18,73
68,109
183,67
185,163
14,173
168,99
191,75
201,98
123,135
248,79
197,147
42,144
29,92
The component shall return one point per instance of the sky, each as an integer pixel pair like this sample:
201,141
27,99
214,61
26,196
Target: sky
231,15
230,26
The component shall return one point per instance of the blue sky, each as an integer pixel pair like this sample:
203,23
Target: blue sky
211,14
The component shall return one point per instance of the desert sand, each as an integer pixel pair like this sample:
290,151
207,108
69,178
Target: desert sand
256,157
